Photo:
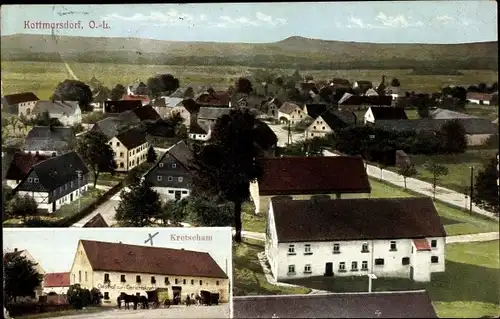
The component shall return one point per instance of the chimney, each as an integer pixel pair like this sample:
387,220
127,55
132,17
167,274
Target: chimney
15,250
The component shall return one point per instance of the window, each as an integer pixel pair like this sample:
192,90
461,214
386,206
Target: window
167,282
79,276
158,178
307,269
138,279
176,281
71,183
121,154
184,281
405,261
86,278
121,165
30,180
117,143
174,165
201,282
180,179
323,127
66,186
192,281
307,249
336,248
291,249
314,127
160,165
364,265
342,266
393,245
106,278
153,280
291,269
434,259
122,278
379,261
217,283
170,192
354,266
364,248
184,192
433,243
36,180
106,295
170,178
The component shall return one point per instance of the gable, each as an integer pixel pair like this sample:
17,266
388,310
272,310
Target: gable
31,183
80,259
323,123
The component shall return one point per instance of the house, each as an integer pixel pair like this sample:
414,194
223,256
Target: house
99,96
290,113
19,167
19,103
96,222
315,110
266,139
49,140
362,86
67,112
340,83
393,91
344,176
477,130
328,122
171,174
144,99
386,304
111,126
57,283
196,132
480,98
38,291
208,115
375,113
165,104
114,268
130,148
387,237
116,107
188,110
211,98
444,114
55,181
359,102
271,108
138,88
145,113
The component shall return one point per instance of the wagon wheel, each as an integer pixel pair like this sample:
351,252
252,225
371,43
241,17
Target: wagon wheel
156,304
166,303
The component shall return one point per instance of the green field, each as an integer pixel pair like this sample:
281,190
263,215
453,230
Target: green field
455,221
41,78
469,287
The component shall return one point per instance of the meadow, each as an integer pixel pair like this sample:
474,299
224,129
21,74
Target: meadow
41,78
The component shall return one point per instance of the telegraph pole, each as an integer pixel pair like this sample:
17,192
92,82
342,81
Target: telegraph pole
289,133
471,187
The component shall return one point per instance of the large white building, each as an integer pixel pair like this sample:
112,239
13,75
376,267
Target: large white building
389,237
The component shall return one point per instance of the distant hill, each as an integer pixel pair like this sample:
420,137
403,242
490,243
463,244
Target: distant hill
289,53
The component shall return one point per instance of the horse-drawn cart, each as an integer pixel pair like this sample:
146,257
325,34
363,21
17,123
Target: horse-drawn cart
158,298
209,298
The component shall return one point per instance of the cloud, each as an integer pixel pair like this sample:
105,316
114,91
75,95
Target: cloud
381,21
261,19
443,18
170,18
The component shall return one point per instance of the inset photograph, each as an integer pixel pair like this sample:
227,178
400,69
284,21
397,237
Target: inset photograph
84,273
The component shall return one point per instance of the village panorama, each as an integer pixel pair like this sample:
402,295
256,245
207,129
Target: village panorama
344,166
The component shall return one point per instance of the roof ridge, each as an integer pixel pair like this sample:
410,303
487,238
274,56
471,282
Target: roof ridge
291,296
142,246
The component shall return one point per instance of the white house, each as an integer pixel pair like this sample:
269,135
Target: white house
388,237
479,98
67,112
384,113
19,103
198,133
130,148
289,112
56,283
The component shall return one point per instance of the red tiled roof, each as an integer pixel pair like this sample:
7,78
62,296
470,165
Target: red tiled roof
421,244
313,175
57,279
479,96
22,163
119,257
143,98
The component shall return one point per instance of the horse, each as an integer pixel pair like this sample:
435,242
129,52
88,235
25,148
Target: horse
197,298
129,299
144,302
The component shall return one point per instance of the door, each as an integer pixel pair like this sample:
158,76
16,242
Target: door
177,195
71,197
329,269
411,272
54,206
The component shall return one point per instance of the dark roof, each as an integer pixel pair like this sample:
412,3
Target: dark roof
132,138
67,108
21,165
59,170
109,126
356,219
471,125
338,119
121,106
136,85
213,113
388,113
409,304
20,98
264,136
313,175
56,279
182,152
105,256
45,138
191,106
195,128
341,82
365,83
315,110
146,112
440,114
96,221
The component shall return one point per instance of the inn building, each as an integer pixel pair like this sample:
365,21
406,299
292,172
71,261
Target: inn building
116,267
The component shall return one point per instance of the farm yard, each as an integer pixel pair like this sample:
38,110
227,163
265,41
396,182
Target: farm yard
41,78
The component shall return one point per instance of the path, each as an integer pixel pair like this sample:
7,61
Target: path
443,194
70,71
282,134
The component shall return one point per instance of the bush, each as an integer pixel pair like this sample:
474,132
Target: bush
38,222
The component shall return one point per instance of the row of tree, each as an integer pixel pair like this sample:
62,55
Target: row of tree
483,88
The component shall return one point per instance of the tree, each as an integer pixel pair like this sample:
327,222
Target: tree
74,90
168,83
20,277
279,81
151,156
227,165
181,131
189,93
453,136
117,92
408,170
44,119
23,206
436,170
243,85
482,87
174,212
395,82
93,117
155,87
207,213
485,187
138,206
94,149
78,297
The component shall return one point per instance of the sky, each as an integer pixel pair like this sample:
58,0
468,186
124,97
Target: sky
377,21
54,248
